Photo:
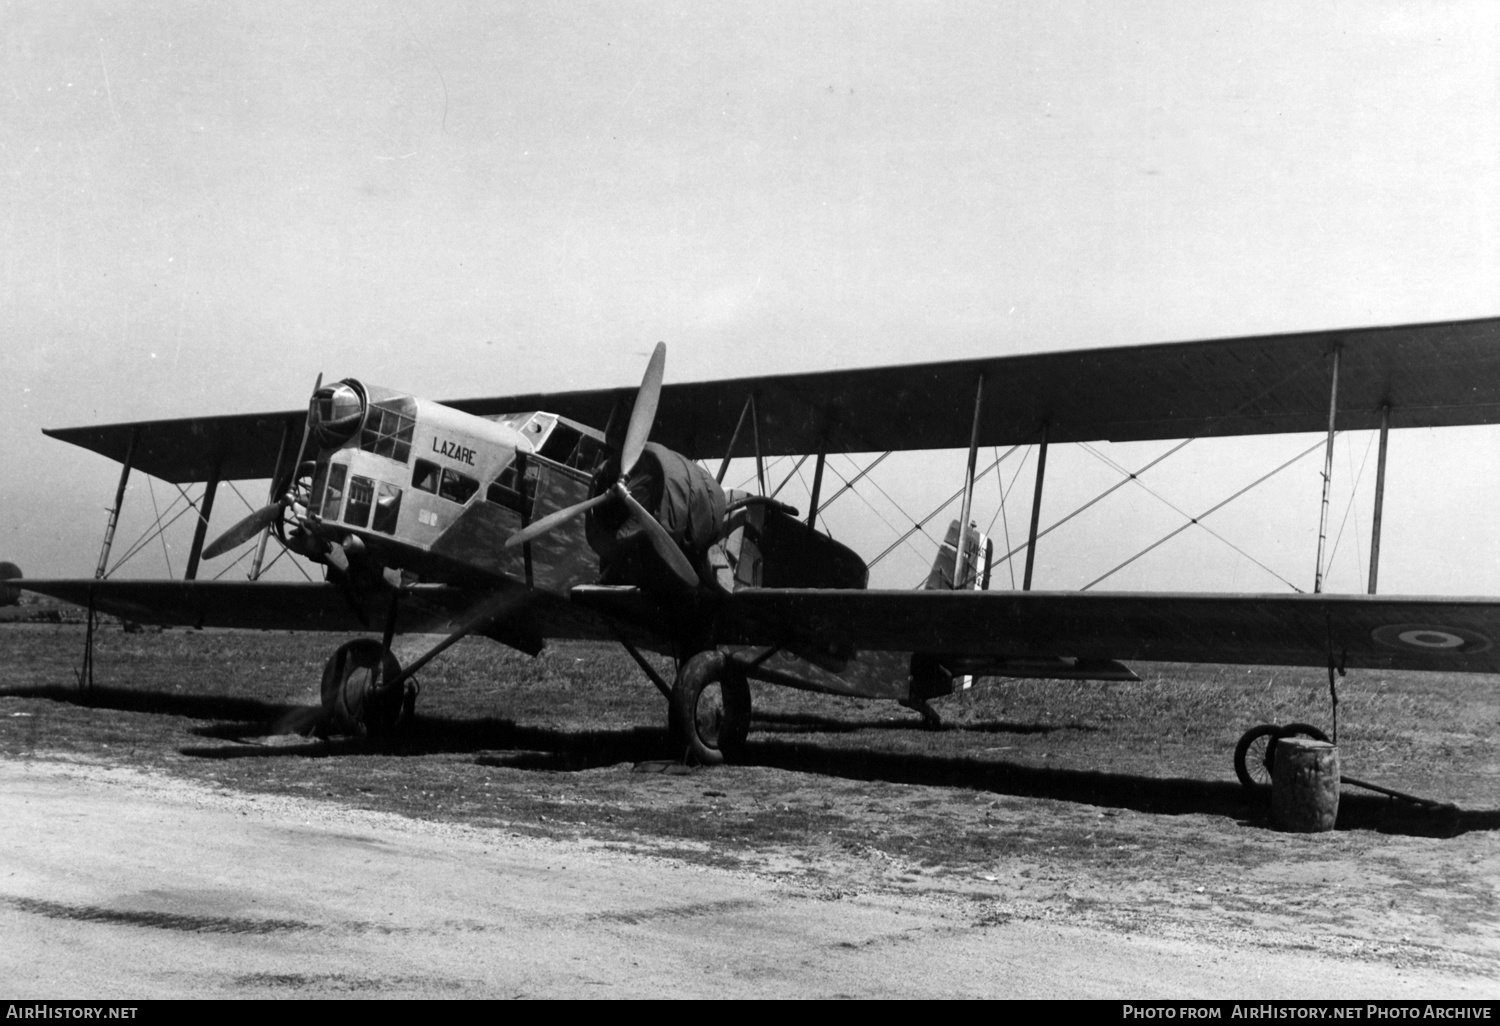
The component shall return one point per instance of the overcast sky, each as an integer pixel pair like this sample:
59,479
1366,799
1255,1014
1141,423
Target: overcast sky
207,205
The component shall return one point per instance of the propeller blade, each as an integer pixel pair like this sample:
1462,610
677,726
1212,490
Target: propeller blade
306,427
535,530
644,414
243,531
265,516
661,541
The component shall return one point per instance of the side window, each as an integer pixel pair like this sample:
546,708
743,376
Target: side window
387,508
458,487
335,494
425,477
361,494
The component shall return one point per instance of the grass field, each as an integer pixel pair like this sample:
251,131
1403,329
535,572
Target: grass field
190,700
1107,803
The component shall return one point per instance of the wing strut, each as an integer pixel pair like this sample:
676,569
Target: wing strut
205,510
1036,510
817,488
734,440
114,513
760,463
961,556
1333,409
1385,430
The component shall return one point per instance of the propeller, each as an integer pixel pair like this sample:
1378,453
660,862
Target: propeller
243,531
636,434
267,515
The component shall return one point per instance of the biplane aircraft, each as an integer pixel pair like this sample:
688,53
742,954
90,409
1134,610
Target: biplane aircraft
521,519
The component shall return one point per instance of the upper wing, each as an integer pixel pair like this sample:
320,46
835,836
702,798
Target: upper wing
1431,375
1456,634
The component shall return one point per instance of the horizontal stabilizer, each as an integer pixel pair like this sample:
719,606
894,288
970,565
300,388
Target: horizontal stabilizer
1057,668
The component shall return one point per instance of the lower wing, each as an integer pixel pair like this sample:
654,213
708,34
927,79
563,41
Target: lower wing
307,606
1376,631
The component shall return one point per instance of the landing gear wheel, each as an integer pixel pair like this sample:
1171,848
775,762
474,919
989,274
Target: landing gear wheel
711,708
1256,753
356,697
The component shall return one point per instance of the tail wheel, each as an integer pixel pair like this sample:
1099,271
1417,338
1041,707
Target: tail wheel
356,697
1256,752
711,708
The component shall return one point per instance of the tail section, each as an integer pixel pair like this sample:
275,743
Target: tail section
978,552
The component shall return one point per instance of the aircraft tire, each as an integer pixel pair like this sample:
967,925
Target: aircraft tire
354,700
711,705
1256,751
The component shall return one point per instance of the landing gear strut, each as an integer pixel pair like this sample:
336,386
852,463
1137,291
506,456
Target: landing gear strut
711,708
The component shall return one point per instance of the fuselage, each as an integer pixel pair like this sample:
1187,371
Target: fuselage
422,487
425,487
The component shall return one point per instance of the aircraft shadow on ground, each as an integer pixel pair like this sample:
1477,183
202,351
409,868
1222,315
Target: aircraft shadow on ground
169,703
812,723
245,723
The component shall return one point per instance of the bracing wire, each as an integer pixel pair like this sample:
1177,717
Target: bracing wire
871,506
1105,494
1212,509
941,506
157,529
1353,493
1205,432
852,481
795,467
1104,458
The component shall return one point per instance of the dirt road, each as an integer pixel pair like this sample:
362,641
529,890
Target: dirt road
116,883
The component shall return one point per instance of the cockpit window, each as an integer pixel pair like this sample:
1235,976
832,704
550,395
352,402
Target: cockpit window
334,496
361,495
560,444
388,428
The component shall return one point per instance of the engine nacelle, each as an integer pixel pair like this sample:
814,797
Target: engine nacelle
682,496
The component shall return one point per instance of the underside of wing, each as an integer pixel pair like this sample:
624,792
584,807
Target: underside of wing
268,605
1454,634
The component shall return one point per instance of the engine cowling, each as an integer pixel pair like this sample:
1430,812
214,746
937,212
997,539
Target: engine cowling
682,497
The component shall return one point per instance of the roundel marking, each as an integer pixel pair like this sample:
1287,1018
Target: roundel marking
1433,638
